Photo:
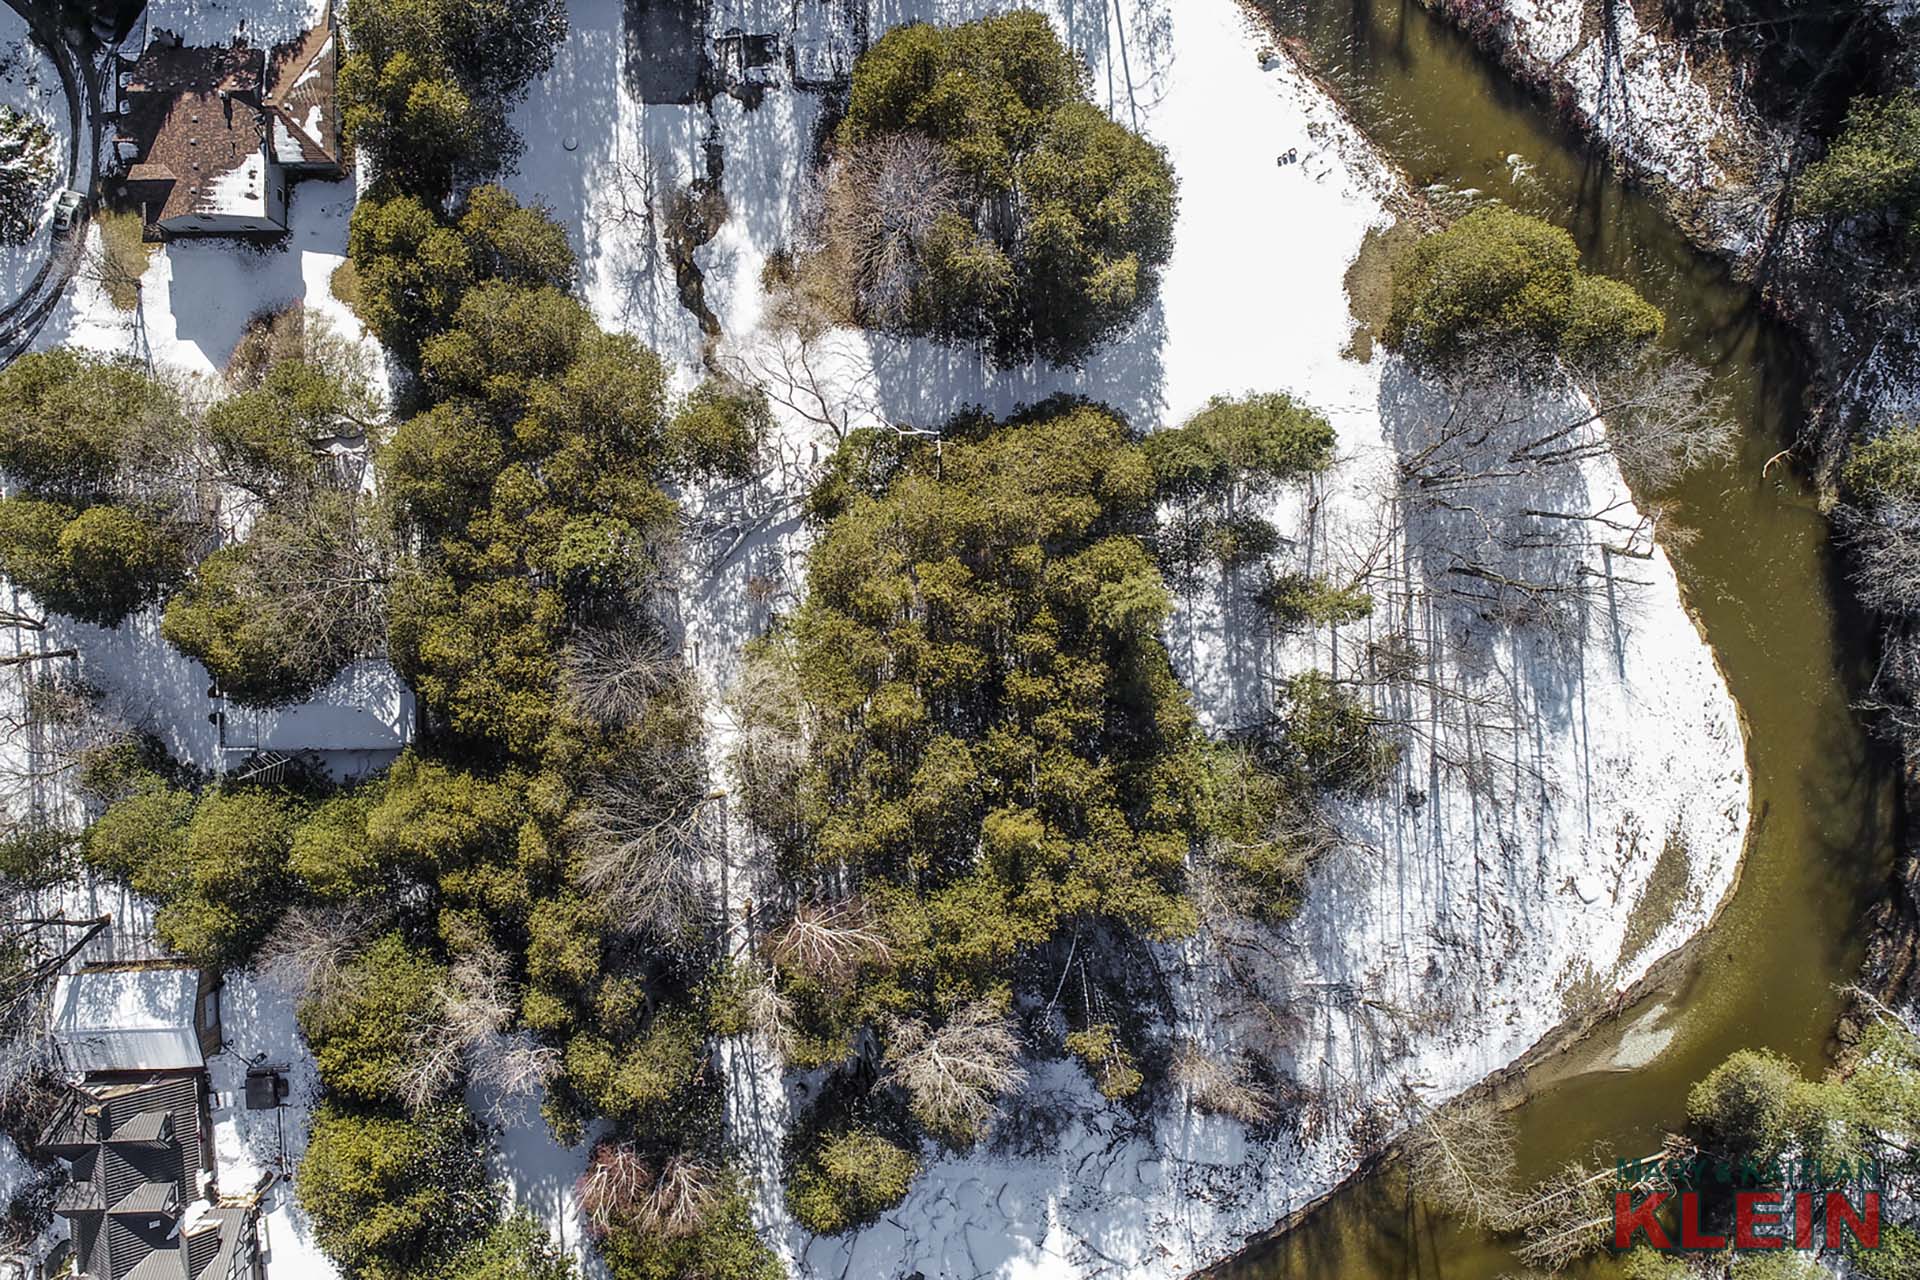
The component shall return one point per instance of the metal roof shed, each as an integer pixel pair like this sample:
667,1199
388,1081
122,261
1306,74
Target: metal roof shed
141,1017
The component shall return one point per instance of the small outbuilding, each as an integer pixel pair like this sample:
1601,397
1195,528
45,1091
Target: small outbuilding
145,1016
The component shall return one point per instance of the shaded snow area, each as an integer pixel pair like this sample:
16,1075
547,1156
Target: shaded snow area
1484,895
255,1147
1637,90
39,161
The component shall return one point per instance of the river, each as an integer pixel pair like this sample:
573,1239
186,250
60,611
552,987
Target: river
1760,576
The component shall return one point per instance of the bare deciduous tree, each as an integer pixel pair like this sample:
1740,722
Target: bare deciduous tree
1564,1217
883,198
612,674
1219,1086
644,833
616,1181
683,1196
309,950
829,941
1460,1159
769,708
954,1075
34,951
465,1027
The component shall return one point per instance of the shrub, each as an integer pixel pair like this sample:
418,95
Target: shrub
1741,1107
848,1180
1885,467
719,430
1263,833
1607,322
1257,442
1033,224
1507,285
726,1247
390,1196
100,564
1873,166
1299,599
366,1030
1106,1059
1332,735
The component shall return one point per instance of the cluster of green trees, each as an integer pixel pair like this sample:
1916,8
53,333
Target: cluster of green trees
426,85
120,483
977,195
1500,285
1753,1122
101,521
530,866
1872,166
1758,1107
1001,767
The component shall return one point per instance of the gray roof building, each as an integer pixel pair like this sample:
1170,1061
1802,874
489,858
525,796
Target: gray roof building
141,1201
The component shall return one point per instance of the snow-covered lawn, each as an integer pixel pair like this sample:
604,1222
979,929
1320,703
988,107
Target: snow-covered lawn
196,296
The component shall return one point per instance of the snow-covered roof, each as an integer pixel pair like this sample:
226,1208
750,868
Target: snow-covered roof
261,23
126,998
367,707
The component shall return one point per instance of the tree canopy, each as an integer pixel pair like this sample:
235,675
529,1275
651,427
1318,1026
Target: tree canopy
1510,286
1872,166
978,196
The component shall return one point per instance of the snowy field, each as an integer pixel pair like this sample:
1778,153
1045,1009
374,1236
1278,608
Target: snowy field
1502,899
30,85
1434,950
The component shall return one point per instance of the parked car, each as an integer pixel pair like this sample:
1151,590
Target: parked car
66,210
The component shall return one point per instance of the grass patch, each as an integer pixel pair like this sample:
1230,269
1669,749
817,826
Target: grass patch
1660,898
1369,282
121,259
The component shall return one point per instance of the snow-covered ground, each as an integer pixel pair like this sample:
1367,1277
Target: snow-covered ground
1437,948
255,1147
196,296
30,85
1448,938
261,23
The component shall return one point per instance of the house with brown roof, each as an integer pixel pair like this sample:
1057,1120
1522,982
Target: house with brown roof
211,136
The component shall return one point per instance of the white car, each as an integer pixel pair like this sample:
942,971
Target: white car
66,209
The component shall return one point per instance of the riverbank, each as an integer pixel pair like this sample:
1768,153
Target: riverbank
1675,119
